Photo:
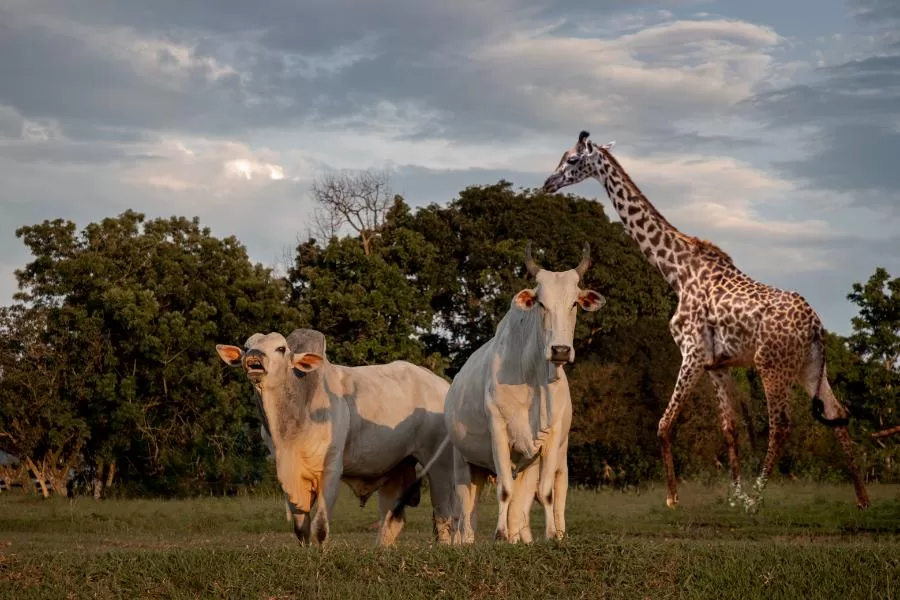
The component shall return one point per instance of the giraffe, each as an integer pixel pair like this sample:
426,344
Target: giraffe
724,319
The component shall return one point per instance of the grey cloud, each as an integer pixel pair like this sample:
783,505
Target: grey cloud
420,186
876,10
848,111
63,152
10,123
324,62
860,90
37,64
852,261
853,157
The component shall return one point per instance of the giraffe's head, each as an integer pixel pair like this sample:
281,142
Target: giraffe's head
579,162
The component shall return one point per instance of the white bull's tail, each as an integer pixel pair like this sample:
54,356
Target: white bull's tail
414,488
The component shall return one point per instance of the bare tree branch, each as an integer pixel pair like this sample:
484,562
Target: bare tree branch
358,200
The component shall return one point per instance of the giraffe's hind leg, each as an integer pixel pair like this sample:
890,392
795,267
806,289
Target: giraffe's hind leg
777,385
815,382
724,384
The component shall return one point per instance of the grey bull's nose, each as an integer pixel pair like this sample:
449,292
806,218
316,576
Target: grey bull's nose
559,352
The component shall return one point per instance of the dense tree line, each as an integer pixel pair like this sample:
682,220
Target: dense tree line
108,370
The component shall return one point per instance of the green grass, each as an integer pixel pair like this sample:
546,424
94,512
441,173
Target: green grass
808,541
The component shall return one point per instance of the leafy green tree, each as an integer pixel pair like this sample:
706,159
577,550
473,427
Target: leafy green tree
481,237
876,339
37,424
369,303
133,311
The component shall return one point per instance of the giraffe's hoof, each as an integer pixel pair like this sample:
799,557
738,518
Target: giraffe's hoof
752,505
671,502
863,504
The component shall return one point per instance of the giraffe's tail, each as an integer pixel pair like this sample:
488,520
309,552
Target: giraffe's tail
818,406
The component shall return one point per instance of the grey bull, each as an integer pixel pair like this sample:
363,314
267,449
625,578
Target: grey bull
367,426
510,402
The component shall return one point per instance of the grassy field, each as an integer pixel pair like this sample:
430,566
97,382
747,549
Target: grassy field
808,541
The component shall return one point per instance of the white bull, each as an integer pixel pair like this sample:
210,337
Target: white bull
366,426
510,401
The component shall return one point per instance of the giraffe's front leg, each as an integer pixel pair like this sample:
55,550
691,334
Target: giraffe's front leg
690,372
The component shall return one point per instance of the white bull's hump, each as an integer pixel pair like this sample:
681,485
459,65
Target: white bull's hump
389,394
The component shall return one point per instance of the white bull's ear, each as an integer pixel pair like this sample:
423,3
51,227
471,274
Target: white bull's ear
526,299
230,355
590,300
307,361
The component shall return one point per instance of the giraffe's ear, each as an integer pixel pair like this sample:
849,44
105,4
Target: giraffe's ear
583,143
609,145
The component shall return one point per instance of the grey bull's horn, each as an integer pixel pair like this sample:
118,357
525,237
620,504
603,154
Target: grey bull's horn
529,262
585,260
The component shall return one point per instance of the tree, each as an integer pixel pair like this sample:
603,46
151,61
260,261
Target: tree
370,305
876,338
480,264
133,311
37,425
359,200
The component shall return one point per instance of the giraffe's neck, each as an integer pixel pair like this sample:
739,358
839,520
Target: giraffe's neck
660,242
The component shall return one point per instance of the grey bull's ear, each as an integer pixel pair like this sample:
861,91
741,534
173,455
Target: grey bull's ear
307,361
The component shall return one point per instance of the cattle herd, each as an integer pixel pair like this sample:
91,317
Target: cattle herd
384,428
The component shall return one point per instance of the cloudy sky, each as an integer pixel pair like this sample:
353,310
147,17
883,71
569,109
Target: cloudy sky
770,127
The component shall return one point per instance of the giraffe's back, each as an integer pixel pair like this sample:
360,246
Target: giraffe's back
753,320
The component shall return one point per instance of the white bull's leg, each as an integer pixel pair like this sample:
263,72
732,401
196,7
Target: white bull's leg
520,505
388,494
331,482
546,485
520,432
300,507
441,490
500,447
560,491
468,481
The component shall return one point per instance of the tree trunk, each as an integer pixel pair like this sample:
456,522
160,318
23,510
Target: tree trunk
97,481
39,475
110,473
58,478
14,473
99,484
